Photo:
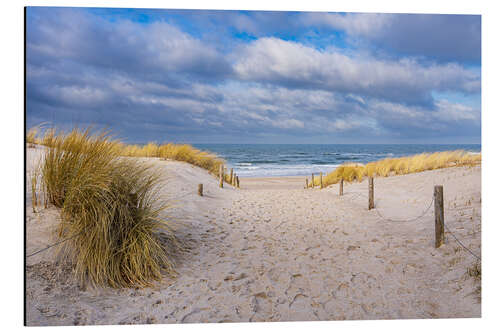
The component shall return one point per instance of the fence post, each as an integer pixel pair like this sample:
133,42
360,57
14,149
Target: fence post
341,186
307,183
221,176
237,182
321,180
231,176
371,205
200,190
312,180
439,214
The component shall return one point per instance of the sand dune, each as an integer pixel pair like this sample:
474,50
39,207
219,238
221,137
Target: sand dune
273,251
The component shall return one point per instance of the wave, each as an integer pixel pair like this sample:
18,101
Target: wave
274,170
251,162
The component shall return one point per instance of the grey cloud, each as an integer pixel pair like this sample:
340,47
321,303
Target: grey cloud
158,50
155,82
367,25
448,38
295,65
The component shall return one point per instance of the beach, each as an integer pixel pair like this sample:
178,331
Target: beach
274,251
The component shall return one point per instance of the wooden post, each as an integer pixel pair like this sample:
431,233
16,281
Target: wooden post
321,180
233,179
312,180
307,183
237,182
439,215
231,176
221,176
341,186
371,204
200,190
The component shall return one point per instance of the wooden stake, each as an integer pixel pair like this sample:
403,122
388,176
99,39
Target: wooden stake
312,180
341,186
439,215
233,180
200,190
307,183
221,176
371,204
321,180
237,182
231,176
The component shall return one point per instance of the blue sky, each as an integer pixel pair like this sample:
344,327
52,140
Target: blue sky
256,77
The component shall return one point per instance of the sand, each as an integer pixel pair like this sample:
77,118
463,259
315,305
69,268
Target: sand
274,251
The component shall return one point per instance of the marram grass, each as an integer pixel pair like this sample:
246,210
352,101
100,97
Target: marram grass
110,210
177,152
400,166
31,136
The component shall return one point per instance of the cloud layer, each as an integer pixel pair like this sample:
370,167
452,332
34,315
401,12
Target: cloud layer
254,79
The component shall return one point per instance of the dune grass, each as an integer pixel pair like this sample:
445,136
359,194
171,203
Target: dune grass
475,272
400,166
31,136
178,152
110,211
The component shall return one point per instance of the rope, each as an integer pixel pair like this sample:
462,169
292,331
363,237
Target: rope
48,247
405,220
67,239
357,195
461,244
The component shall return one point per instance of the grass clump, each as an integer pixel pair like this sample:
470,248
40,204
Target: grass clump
109,208
475,272
400,166
31,136
178,152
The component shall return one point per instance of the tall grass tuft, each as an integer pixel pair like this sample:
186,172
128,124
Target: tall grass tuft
109,207
31,136
475,272
178,152
401,166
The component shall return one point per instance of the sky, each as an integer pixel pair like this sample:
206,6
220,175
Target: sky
255,77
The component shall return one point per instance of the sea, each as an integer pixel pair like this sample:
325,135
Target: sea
279,160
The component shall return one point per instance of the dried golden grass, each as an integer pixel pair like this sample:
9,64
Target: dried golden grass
178,152
34,187
109,207
475,272
400,166
31,136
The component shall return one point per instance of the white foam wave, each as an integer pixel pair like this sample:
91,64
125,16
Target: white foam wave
274,170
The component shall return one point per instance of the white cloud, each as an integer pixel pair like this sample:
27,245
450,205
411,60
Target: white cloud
292,64
355,24
449,111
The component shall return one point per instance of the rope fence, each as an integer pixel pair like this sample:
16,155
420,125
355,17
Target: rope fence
370,206
438,210
174,200
405,220
461,244
52,245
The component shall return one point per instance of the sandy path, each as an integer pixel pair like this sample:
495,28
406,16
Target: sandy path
274,251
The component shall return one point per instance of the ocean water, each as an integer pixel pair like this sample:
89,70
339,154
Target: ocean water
277,160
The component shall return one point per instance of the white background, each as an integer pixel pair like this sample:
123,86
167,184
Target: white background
12,152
